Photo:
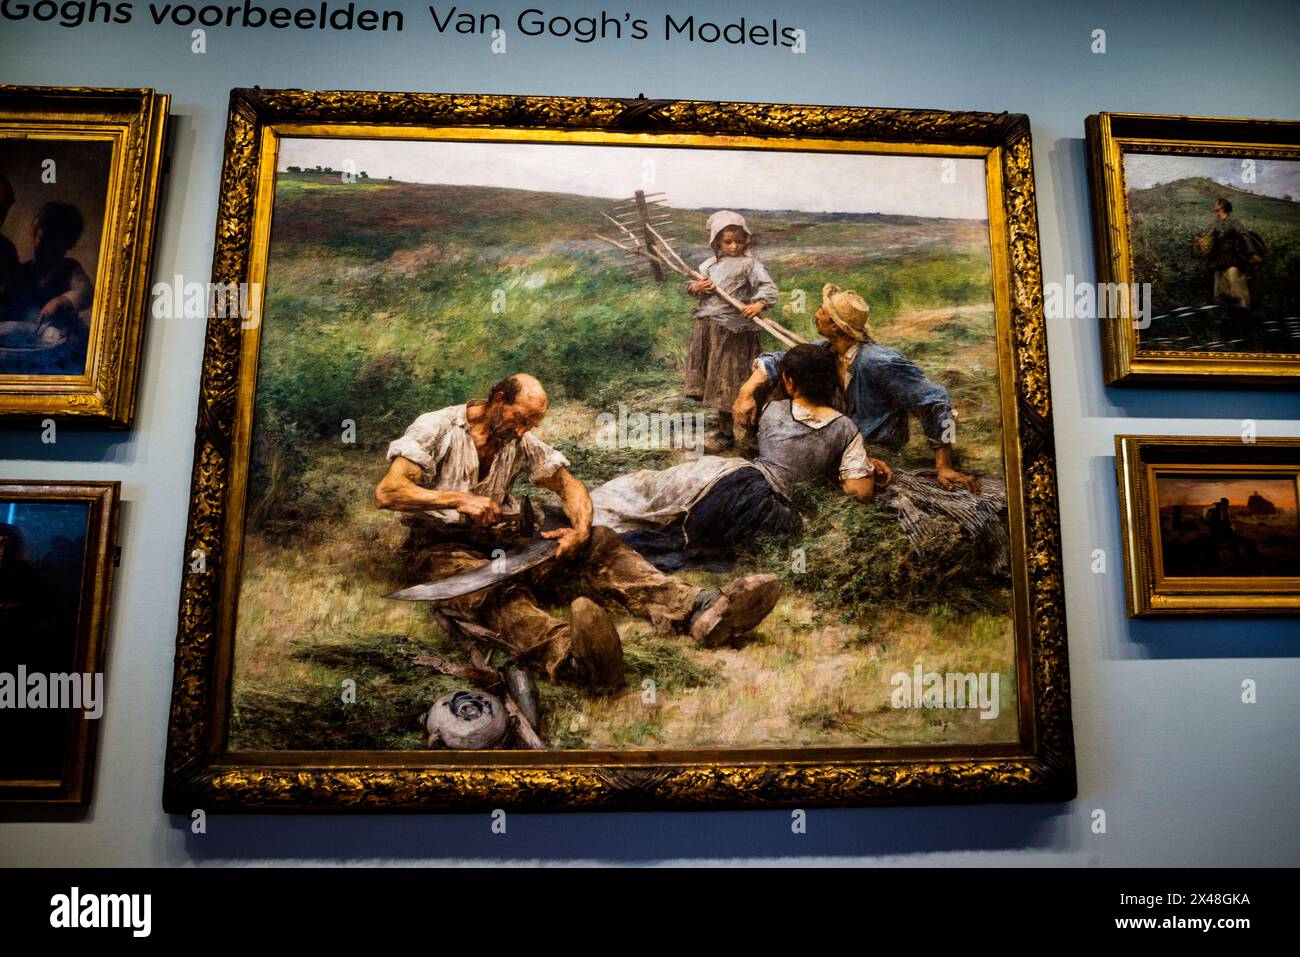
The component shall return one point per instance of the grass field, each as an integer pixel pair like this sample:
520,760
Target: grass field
388,299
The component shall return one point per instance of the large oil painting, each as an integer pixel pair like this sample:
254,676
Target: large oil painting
576,445
400,303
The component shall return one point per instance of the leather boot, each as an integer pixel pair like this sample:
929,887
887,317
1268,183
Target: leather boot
744,603
596,651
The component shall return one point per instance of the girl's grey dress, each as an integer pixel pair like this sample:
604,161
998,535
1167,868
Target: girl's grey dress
724,344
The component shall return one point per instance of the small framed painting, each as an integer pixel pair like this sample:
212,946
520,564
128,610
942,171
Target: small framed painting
1211,525
1197,231
57,552
80,171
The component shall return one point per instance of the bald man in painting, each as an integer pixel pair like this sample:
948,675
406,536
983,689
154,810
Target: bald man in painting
451,475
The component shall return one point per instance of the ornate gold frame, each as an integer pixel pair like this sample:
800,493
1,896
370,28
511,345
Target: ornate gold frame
1109,136
1148,591
92,635
134,121
201,771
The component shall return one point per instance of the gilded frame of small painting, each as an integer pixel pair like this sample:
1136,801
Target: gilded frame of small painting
205,770
80,178
1209,524
1196,228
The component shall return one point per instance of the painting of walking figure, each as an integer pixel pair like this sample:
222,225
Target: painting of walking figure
572,447
1196,222
1219,241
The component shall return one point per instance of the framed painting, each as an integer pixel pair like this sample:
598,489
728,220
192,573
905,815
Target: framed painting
596,453
57,553
80,171
1196,224
1211,525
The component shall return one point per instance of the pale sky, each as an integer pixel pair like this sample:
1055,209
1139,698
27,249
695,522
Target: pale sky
1272,177
692,178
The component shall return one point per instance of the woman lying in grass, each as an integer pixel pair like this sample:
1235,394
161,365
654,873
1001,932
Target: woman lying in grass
712,505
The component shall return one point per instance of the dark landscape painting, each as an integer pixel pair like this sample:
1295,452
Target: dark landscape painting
1229,526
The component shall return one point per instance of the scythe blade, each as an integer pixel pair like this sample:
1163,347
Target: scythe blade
506,566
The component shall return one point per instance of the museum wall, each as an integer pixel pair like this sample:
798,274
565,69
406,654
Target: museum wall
1185,772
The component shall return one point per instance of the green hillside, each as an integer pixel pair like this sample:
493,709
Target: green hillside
1192,200
386,299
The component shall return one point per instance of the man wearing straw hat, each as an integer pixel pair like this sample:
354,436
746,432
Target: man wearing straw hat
882,387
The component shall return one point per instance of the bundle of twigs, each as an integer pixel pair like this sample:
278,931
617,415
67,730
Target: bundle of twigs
927,511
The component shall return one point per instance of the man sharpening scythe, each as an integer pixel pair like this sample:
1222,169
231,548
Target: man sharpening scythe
451,476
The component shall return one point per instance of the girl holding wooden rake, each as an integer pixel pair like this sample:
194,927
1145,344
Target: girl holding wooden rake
725,340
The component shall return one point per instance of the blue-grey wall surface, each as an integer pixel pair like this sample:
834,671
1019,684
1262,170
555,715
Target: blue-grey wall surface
1186,773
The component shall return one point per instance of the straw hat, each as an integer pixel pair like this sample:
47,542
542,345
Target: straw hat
848,311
